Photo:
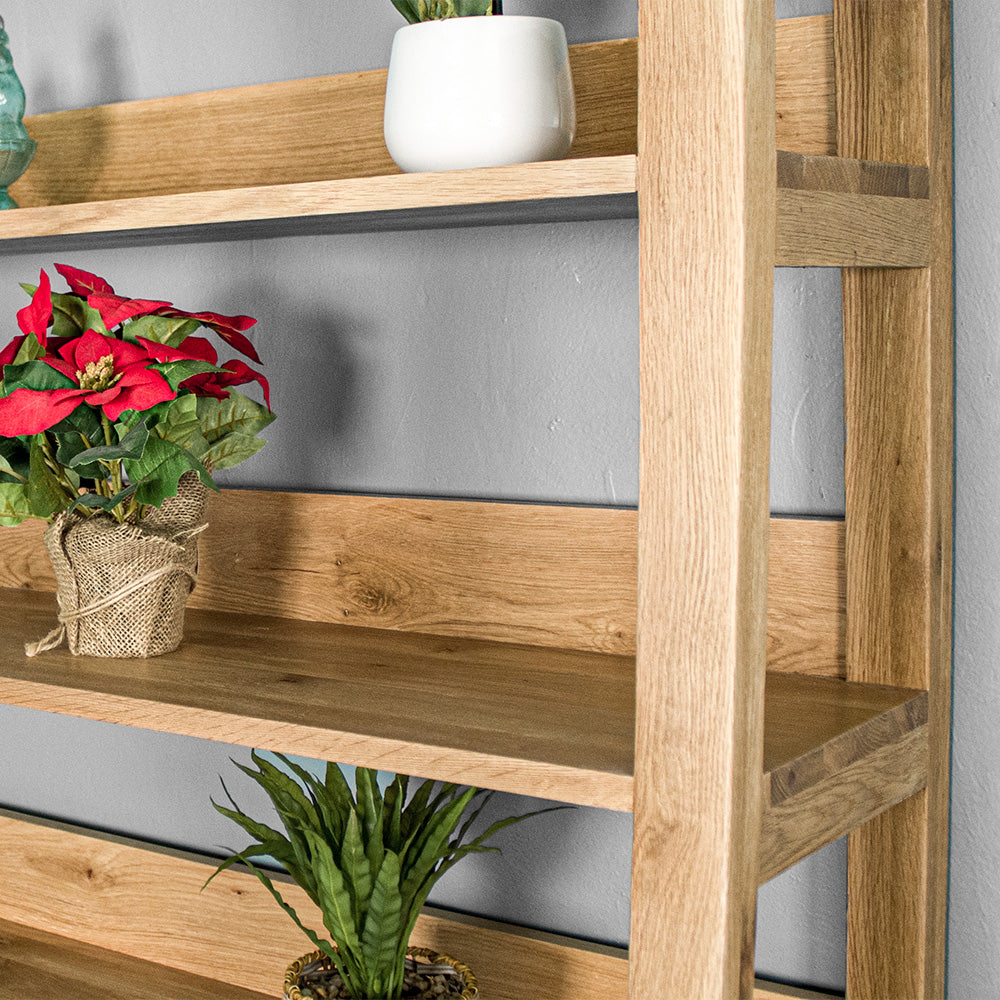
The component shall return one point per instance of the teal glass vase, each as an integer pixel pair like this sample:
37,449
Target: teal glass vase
16,147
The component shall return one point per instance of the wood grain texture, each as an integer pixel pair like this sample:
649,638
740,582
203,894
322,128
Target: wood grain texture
706,207
841,173
557,181
117,894
846,779
330,128
805,92
546,722
113,893
827,229
822,219
531,721
894,103
468,568
545,575
34,963
318,129
806,597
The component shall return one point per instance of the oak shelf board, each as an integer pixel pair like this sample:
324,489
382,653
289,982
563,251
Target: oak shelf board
832,211
541,721
572,189
37,963
552,723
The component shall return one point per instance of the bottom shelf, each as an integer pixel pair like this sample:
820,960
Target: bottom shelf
34,963
90,916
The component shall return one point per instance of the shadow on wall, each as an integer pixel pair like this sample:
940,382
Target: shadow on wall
551,867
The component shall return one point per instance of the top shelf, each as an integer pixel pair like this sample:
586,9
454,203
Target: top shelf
268,161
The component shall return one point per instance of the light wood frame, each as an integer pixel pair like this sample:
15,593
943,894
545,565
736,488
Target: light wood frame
724,791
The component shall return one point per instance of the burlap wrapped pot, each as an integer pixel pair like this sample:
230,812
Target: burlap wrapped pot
122,588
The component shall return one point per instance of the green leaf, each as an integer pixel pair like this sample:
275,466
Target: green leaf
368,795
98,502
468,8
238,413
30,350
354,865
71,316
83,420
380,938
159,469
317,941
432,845
395,796
332,816
14,506
177,420
230,450
414,813
130,446
176,372
15,460
44,494
339,791
335,900
34,375
169,330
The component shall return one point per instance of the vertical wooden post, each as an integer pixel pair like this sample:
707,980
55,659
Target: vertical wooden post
894,103
706,197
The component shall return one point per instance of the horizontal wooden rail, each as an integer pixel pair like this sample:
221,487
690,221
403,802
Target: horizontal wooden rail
538,574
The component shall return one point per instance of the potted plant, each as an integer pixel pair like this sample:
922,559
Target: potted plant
469,88
111,416
368,860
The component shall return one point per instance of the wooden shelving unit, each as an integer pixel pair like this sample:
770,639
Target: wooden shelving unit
768,686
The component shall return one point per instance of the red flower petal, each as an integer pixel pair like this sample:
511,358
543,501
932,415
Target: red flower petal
29,411
34,318
83,282
243,373
115,309
138,389
205,385
229,328
93,346
193,349
66,367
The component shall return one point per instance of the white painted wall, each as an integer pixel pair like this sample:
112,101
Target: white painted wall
500,362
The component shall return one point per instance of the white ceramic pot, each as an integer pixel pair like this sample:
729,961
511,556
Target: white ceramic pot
479,92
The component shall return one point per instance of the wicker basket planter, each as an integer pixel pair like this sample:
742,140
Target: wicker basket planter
122,588
432,972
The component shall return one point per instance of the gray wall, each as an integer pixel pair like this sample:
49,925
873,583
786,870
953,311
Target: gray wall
500,362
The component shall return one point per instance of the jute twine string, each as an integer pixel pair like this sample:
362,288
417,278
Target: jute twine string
122,588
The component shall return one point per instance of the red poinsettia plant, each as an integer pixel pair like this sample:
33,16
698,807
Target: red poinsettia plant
106,401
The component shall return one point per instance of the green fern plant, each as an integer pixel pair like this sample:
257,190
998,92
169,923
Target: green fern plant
438,10
368,860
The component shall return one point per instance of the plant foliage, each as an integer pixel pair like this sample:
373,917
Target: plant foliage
438,10
368,860
106,401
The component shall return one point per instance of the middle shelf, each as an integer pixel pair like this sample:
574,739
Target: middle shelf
540,721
